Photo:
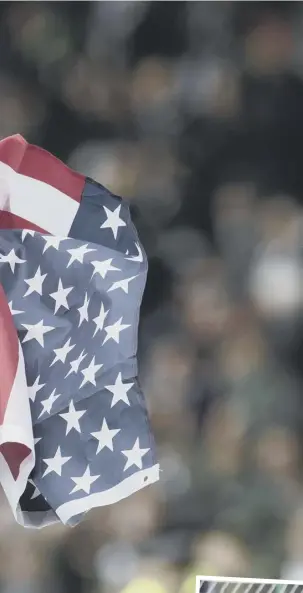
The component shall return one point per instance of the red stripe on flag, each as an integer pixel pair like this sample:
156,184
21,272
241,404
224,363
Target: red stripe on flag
8,220
14,454
9,353
39,164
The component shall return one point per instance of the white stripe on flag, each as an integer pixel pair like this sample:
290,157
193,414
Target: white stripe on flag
38,202
17,428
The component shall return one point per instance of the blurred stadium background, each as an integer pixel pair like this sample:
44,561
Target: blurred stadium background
193,111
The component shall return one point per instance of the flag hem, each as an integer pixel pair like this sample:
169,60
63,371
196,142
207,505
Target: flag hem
126,488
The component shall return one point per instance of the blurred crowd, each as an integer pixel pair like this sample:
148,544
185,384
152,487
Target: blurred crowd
192,111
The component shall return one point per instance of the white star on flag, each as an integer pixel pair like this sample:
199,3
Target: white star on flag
113,331
89,373
113,221
74,364
83,311
52,241
123,284
55,463
139,257
14,311
72,418
61,353
119,391
60,296
12,259
78,253
36,331
134,456
105,437
33,389
48,403
102,267
26,232
35,283
84,482
99,320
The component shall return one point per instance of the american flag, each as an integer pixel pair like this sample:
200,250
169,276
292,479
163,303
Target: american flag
74,429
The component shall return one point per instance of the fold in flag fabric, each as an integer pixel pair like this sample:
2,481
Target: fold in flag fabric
74,428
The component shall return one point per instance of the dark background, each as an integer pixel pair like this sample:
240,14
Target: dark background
193,111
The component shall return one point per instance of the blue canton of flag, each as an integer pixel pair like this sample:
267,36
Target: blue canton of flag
75,301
